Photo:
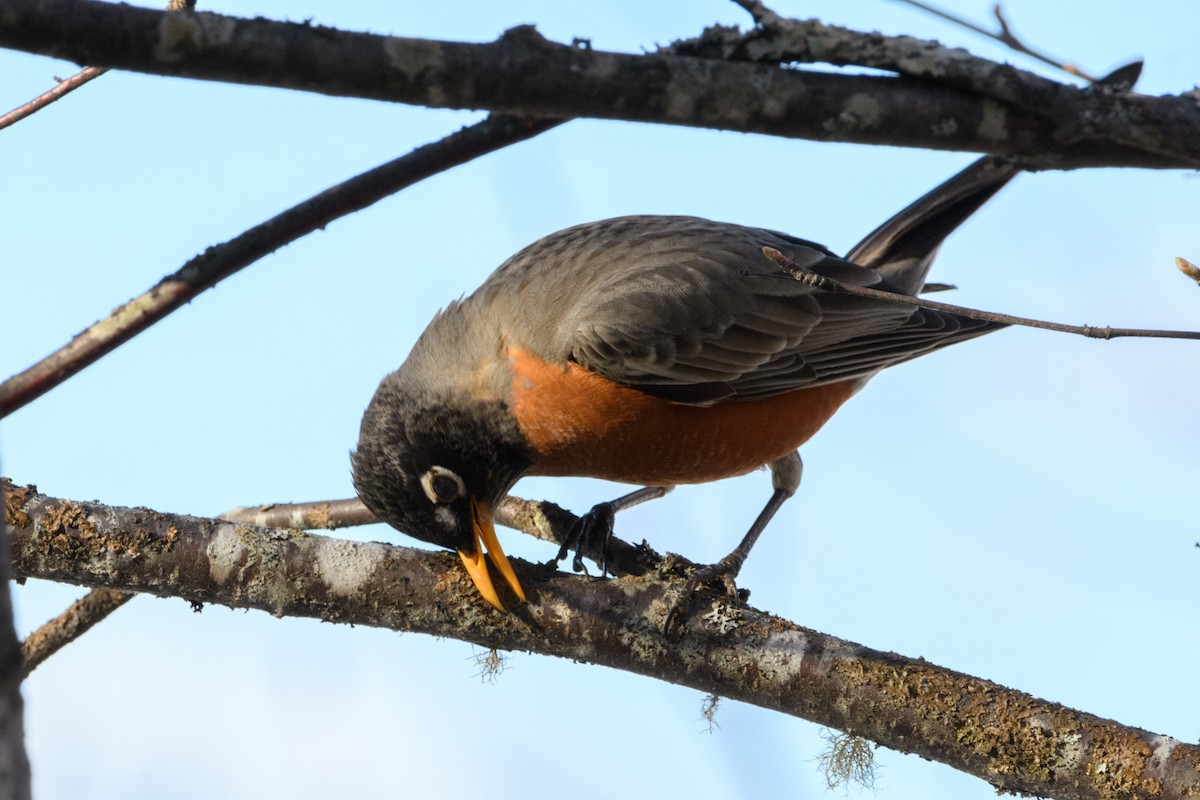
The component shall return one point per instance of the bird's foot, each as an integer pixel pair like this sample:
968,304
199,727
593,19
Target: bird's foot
726,569
598,522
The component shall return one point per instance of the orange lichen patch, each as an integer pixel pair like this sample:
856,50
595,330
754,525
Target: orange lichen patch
15,498
66,515
321,517
579,423
66,530
1117,763
452,579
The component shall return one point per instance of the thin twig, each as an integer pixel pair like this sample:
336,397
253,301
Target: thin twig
320,514
74,82
68,626
46,98
538,518
219,262
551,523
1010,39
1005,36
830,285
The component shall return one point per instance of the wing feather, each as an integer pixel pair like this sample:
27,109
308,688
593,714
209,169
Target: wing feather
692,311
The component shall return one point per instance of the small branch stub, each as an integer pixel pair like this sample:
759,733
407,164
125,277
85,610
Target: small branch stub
1188,268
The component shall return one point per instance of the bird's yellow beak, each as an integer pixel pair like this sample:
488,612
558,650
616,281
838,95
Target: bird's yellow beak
476,563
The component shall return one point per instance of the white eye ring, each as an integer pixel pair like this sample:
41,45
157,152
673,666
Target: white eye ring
442,485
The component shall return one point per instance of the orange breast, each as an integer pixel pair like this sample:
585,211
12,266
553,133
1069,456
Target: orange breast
581,424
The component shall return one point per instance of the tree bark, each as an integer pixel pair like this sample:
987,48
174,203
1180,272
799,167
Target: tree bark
14,763
68,626
526,74
1014,741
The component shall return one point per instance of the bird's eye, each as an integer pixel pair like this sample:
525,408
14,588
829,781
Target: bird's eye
442,485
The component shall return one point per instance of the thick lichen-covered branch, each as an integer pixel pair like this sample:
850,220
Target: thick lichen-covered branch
1016,742
525,74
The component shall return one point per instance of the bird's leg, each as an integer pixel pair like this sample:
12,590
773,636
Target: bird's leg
785,477
599,521
727,568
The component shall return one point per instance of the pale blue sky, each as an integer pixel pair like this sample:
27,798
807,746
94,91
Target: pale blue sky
1021,508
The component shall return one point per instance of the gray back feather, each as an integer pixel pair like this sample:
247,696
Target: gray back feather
691,310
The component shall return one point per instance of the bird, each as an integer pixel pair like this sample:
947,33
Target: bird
648,350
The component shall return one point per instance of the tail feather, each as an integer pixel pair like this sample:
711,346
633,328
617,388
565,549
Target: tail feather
902,248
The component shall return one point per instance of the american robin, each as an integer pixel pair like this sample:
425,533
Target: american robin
652,350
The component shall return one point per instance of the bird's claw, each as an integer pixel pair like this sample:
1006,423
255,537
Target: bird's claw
724,569
599,521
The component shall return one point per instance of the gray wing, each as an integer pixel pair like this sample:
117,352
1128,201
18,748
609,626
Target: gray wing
692,311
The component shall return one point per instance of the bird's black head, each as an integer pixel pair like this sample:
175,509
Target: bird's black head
433,464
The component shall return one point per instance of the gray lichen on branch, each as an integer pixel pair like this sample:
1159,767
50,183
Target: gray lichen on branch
995,107
1016,742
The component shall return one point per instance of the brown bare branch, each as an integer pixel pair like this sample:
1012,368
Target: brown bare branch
524,73
46,98
68,626
72,83
1016,742
219,262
